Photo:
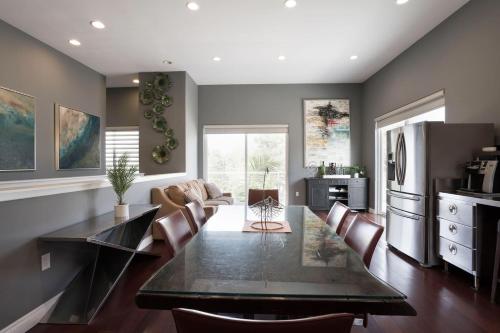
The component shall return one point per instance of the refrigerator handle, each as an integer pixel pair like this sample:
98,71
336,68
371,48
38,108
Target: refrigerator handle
413,217
403,158
396,159
403,196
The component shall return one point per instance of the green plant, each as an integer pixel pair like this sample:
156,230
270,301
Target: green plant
121,176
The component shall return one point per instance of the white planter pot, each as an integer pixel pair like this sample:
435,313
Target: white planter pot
121,211
356,175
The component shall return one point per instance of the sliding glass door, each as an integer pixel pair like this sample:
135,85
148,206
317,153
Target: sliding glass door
236,159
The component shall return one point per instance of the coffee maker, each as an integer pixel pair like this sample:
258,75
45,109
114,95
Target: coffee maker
482,176
491,180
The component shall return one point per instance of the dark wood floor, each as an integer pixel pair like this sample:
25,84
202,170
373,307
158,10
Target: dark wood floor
444,302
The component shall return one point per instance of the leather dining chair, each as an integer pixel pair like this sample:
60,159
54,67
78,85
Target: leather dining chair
336,216
176,231
363,236
196,214
256,195
347,223
191,321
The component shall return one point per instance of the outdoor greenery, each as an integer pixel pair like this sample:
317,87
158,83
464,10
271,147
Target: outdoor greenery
121,176
226,162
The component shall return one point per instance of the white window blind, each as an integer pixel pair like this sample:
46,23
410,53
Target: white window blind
121,140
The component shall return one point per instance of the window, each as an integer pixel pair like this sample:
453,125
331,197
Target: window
428,109
236,157
121,140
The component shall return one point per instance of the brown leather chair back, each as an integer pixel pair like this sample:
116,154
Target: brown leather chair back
347,223
176,231
256,195
363,236
192,321
337,215
196,214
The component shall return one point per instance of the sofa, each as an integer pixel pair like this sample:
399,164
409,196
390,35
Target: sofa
174,197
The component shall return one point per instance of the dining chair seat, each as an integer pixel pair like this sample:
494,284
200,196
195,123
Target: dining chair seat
176,231
191,321
336,216
363,236
196,214
256,195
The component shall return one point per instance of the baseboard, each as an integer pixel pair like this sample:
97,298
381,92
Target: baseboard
371,210
29,320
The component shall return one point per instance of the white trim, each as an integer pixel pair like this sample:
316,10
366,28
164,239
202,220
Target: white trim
29,320
423,101
244,129
372,211
122,128
23,189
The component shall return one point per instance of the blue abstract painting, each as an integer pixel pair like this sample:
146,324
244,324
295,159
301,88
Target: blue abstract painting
17,131
78,144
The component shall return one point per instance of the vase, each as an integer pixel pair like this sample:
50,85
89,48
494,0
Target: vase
121,210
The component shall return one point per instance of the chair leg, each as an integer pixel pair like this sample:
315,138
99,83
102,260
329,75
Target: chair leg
496,268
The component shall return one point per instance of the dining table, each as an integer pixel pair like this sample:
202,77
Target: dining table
308,271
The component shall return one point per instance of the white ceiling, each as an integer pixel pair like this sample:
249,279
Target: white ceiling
317,37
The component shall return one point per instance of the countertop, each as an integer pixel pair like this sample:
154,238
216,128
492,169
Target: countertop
471,199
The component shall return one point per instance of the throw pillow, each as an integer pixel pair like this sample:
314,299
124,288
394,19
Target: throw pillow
191,195
213,190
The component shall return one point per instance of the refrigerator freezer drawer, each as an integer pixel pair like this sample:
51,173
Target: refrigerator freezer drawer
457,254
456,211
408,202
457,233
406,232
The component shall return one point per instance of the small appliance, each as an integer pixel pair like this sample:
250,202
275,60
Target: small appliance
491,180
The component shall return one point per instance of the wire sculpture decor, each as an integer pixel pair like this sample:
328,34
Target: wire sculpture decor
267,209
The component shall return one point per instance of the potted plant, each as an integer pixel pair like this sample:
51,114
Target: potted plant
356,170
121,176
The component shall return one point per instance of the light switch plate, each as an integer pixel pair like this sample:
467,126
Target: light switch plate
45,261
297,194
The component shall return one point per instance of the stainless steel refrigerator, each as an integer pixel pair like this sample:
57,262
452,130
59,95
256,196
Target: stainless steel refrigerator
416,155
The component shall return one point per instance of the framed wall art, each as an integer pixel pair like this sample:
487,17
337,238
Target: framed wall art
77,139
17,131
327,132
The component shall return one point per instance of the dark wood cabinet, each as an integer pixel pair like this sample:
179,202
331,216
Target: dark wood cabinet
323,193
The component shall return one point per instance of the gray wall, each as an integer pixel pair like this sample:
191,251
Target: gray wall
176,118
191,126
122,107
276,104
461,55
31,67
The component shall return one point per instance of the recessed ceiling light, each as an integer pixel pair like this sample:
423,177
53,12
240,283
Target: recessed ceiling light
136,81
353,57
401,2
281,58
97,24
217,59
192,5
75,42
290,3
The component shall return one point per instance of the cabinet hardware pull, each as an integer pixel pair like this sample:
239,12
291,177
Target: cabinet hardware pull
453,228
452,248
453,209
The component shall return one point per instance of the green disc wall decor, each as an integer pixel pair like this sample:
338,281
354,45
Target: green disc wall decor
154,92
160,154
148,114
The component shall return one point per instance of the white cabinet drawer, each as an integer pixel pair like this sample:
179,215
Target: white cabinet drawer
458,233
457,254
456,211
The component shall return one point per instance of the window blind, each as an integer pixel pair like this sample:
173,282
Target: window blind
121,140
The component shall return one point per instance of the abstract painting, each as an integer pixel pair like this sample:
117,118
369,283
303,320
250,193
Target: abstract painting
78,141
327,132
17,131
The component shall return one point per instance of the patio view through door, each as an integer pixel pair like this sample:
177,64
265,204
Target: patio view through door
236,157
